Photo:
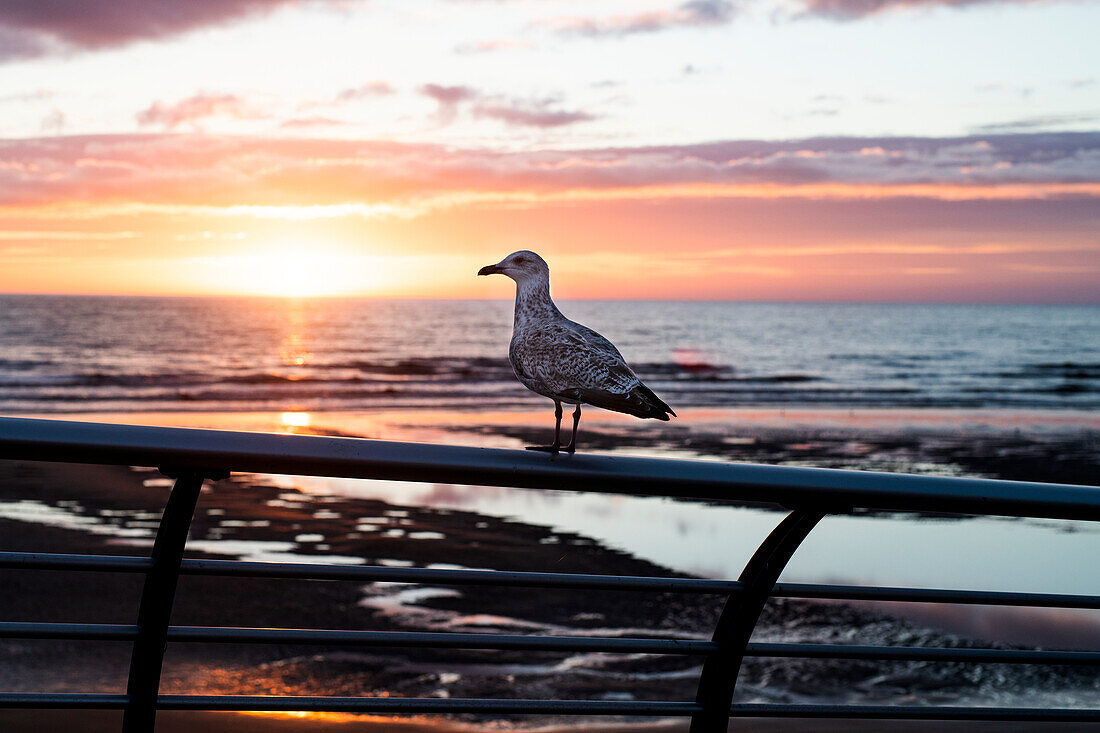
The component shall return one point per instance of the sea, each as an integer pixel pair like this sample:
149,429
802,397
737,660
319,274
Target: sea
142,354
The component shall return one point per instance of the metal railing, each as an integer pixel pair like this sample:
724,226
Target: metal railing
192,456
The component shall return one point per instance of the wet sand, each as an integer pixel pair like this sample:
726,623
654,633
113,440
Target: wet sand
34,721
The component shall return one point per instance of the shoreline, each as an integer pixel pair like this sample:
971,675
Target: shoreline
771,416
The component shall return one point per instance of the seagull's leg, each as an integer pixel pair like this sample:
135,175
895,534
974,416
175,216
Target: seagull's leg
576,421
557,433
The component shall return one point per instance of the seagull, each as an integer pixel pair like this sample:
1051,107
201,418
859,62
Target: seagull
563,360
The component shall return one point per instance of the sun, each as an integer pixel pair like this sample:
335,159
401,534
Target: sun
301,274
295,270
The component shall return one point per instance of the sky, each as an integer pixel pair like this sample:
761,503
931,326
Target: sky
847,150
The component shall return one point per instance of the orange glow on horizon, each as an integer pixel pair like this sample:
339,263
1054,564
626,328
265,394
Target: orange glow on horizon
692,241
295,270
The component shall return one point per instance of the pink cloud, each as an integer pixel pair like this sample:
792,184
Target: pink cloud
229,170
490,46
535,114
198,107
363,91
448,99
519,113
301,123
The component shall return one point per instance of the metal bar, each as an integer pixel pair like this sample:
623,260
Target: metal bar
932,595
739,616
438,640
318,571
157,596
923,654
101,632
412,639
434,640
62,701
425,705
55,561
914,712
54,440
321,571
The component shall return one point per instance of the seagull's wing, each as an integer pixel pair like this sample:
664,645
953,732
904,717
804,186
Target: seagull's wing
576,363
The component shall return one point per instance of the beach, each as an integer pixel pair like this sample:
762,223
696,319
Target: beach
113,510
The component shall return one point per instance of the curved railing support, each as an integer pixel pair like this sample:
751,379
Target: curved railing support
157,596
739,617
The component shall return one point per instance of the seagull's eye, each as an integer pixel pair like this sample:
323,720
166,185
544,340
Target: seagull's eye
521,260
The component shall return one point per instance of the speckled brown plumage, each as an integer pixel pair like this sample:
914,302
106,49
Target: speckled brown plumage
563,360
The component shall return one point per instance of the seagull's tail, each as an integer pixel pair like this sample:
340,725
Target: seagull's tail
658,409
639,402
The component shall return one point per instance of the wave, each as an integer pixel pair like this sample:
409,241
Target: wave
458,380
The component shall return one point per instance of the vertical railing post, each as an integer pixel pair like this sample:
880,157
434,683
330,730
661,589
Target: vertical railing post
739,616
157,596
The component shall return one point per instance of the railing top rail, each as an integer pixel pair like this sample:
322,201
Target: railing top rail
827,489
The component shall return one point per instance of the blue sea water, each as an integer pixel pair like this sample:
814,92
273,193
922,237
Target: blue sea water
90,353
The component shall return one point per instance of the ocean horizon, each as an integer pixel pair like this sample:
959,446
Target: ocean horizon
154,353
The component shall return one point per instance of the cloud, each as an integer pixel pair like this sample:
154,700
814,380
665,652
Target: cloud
1024,92
1048,269
1031,123
1081,83
369,90
39,27
856,9
198,107
448,99
364,91
514,112
448,95
932,271
54,122
300,123
490,46
695,13
18,44
531,114
36,95
338,177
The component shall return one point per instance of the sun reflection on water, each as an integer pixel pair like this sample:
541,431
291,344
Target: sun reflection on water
295,347
327,717
295,419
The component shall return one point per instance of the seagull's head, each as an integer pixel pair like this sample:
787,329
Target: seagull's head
523,266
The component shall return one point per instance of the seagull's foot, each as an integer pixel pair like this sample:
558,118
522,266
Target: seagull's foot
546,448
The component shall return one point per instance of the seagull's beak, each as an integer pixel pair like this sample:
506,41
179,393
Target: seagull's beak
489,270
